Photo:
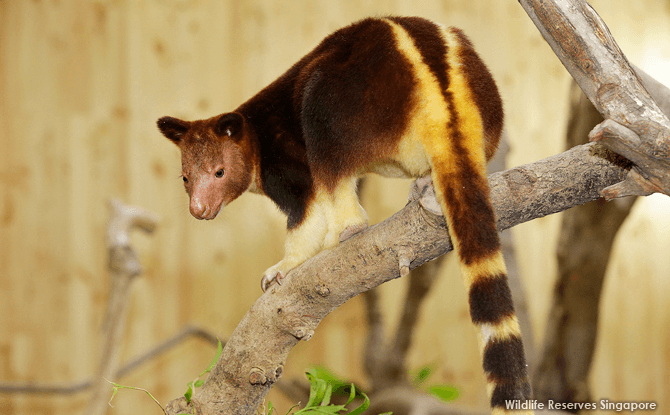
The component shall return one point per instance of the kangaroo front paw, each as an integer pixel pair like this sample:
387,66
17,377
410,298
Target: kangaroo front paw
270,276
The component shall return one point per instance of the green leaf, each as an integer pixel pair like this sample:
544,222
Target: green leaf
364,406
317,390
219,349
198,383
189,393
339,386
334,409
321,391
327,394
352,394
423,374
444,392
323,373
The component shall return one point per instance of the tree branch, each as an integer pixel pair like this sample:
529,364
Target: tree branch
585,46
254,356
587,235
82,385
124,268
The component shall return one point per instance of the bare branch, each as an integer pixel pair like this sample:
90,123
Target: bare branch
625,142
80,386
375,344
124,267
584,44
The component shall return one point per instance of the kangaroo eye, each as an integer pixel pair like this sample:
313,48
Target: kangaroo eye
219,174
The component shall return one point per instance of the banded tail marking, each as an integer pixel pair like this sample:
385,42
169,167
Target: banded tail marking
451,129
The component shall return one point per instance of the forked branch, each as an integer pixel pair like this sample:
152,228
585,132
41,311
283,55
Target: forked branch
585,46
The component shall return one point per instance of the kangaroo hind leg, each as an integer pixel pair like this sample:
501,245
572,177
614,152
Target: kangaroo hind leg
345,215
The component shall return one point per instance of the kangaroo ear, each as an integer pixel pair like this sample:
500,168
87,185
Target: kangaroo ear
229,124
173,128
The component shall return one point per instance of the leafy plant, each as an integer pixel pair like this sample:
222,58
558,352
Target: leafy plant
323,385
321,388
340,387
197,382
441,392
117,386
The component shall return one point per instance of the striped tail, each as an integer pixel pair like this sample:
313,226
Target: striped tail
458,170
463,194
458,118
461,186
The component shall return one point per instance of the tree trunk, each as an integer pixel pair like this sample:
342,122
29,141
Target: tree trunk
586,239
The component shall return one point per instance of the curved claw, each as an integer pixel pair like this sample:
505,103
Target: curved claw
266,281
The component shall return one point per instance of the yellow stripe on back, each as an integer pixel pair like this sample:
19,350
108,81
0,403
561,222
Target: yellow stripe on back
469,119
430,113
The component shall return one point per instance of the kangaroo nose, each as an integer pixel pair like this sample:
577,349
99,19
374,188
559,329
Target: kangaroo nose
198,208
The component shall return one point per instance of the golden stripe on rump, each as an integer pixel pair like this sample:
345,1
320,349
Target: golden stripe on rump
429,114
453,159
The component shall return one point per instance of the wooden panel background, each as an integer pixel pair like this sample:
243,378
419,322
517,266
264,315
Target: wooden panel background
81,85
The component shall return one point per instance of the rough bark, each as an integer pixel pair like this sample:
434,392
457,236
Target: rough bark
586,238
585,46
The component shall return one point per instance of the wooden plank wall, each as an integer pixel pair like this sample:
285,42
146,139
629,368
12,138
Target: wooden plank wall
81,85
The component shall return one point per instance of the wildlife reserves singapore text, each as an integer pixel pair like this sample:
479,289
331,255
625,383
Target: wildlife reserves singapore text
603,404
